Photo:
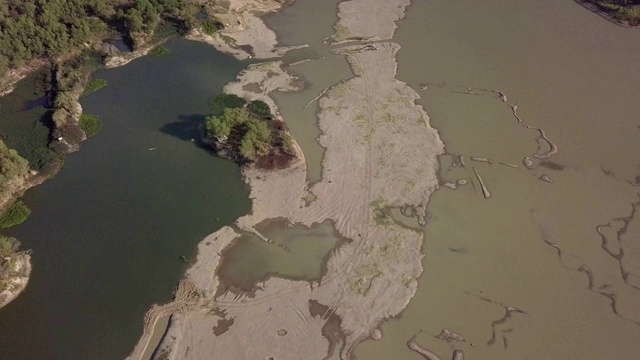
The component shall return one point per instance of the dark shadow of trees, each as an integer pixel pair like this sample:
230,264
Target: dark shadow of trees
188,128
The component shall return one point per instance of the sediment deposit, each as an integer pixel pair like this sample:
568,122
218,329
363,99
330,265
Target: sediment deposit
245,35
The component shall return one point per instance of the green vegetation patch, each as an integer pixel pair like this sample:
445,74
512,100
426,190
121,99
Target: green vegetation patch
221,102
94,85
259,108
90,124
211,26
623,10
12,167
26,131
34,29
16,214
249,136
287,144
160,51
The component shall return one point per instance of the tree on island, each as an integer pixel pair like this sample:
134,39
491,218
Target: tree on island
225,101
260,108
249,136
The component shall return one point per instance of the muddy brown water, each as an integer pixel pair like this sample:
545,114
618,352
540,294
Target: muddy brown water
576,76
533,245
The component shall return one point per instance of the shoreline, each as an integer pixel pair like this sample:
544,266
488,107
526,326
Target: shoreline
605,14
368,280
19,280
245,35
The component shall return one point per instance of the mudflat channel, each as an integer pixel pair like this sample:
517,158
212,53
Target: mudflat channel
295,26
563,254
108,231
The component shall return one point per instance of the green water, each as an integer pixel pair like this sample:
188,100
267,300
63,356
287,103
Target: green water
107,233
295,252
25,123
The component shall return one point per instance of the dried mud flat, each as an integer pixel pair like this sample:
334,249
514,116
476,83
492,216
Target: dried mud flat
380,153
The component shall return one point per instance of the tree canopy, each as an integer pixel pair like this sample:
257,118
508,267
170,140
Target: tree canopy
251,137
31,29
221,102
259,108
12,167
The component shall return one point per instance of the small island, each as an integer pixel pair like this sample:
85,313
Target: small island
248,133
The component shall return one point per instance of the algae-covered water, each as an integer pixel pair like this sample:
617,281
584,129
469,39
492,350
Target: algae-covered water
108,232
294,252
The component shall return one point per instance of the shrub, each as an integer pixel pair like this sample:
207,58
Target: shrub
160,51
253,134
259,108
211,26
90,124
223,124
16,214
287,144
220,102
12,166
94,85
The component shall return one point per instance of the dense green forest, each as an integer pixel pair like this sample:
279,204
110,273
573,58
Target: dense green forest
31,29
